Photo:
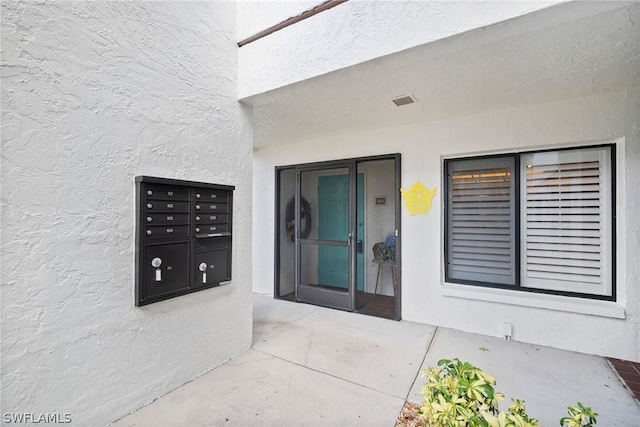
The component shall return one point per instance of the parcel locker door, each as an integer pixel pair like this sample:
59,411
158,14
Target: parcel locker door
166,269
212,267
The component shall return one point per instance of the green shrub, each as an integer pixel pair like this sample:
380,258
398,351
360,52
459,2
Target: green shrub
579,416
457,394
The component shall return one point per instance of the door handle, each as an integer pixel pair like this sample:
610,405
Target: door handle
349,239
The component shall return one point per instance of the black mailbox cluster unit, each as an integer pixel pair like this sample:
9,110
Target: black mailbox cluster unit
183,237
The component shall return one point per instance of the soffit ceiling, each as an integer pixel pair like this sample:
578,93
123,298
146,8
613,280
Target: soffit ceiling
564,51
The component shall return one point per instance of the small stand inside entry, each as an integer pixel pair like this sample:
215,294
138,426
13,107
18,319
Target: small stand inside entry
384,253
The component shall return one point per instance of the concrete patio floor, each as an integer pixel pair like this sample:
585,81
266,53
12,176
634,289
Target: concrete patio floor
311,366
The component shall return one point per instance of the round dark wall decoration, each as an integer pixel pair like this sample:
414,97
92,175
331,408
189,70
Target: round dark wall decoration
305,216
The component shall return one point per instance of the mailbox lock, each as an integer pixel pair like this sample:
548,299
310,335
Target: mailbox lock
150,193
203,267
149,232
149,219
197,229
197,206
197,195
156,263
149,205
197,218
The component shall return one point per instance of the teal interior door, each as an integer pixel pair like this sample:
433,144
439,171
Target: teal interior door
333,224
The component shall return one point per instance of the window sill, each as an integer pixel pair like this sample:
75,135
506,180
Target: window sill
526,299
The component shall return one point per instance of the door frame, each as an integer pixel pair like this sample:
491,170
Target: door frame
352,164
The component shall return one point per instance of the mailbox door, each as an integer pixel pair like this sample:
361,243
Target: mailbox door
171,274
211,267
211,218
212,256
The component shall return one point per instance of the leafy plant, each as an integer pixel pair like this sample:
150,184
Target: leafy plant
385,251
458,394
579,416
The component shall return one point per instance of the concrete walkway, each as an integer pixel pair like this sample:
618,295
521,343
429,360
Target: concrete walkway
311,366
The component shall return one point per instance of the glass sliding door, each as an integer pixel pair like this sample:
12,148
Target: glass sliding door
332,218
378,226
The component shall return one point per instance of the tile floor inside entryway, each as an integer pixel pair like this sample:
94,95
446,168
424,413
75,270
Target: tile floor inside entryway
369,304
376,305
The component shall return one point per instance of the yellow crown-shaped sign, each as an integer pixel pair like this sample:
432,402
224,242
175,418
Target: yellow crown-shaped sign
418,198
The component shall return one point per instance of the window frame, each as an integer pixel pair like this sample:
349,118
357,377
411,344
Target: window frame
517,287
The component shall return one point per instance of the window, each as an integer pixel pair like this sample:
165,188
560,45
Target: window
537,221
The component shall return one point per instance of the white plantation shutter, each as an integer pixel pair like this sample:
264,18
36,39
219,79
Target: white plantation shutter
481,220
566,216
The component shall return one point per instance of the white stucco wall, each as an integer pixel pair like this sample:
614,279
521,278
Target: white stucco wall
351,33
564,323
94,94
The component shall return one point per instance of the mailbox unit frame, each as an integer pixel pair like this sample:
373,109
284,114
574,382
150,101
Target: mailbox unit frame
185,224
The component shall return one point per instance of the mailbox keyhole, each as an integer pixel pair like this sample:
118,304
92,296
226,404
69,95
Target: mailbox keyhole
156,263
203,267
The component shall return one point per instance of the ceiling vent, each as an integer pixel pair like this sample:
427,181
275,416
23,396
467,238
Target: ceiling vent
404,100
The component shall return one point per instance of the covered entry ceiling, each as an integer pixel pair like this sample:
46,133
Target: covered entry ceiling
570,50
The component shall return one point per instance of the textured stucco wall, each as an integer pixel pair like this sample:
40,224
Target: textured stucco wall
353,32
592,118
93,94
